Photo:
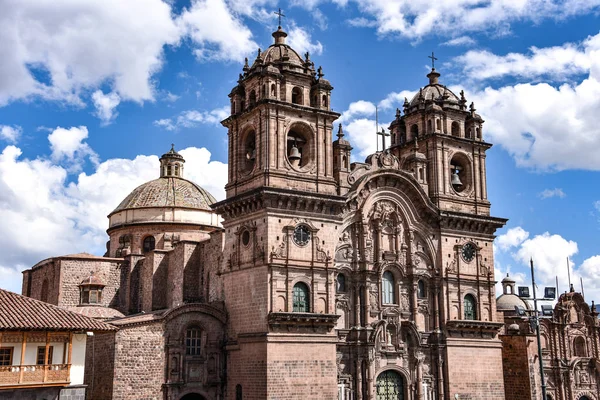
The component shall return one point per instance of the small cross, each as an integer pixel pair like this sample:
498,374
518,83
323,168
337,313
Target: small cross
280,14
433,59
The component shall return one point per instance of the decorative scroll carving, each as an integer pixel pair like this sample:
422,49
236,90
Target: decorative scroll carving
281,250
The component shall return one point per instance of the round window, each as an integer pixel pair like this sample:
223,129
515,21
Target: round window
246,237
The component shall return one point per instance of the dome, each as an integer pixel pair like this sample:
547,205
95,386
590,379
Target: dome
435,91
98,312
507,302
167,191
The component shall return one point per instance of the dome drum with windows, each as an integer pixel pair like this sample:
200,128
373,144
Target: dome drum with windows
138,224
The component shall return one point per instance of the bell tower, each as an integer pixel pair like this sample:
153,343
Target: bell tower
281,216
438,124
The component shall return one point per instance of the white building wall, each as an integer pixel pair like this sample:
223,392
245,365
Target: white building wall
78,358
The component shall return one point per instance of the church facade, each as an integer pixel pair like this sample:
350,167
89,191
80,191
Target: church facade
315,278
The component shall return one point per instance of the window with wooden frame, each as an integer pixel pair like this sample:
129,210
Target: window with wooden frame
6,355
193,341
41,355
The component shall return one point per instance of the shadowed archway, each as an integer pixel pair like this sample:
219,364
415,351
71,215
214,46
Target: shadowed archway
193,396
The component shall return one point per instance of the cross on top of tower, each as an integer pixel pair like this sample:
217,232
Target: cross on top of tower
433,60
279,14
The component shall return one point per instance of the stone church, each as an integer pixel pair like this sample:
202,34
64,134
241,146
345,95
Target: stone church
316,278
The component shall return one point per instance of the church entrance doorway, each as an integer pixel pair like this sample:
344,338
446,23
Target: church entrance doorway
193,396
390,386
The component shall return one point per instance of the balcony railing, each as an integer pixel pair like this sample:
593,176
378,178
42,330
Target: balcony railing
13,375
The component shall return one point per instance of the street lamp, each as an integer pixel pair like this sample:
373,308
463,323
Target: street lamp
549,295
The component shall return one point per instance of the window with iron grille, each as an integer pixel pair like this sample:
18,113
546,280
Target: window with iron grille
301,301
6,354
389,386
469,306
193,342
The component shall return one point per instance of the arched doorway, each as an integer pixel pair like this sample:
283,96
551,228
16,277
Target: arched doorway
193,396
390,386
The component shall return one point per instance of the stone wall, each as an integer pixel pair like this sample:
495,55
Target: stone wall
139,365
515,363
100,366
73,271
474,369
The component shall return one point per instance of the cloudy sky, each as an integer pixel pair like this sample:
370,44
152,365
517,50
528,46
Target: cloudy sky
92,92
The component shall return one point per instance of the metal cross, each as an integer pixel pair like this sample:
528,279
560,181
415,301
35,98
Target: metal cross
433,59
280,14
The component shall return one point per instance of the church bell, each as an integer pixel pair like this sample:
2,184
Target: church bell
251,155
455,179
294,154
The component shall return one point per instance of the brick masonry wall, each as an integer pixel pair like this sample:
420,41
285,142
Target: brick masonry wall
246,300
49,271
474,369
99,366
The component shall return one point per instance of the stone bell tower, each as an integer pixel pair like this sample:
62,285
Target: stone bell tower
280,216
451,137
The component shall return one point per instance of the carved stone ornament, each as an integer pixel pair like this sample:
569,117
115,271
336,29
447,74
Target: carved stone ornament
281,250
374,162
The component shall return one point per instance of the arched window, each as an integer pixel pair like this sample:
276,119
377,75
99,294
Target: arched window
300,298
389,386
297,95
387,288
149,244
324,102
344,162
238,392
168,169
581,398
252,99
579,349
469,307
477,133
438,124
455,129
429,126
468,133
421,292
273,90
176,170
193,341
340,283
44,294
414,131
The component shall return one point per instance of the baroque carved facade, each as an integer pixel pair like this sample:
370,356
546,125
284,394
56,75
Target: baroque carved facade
326,279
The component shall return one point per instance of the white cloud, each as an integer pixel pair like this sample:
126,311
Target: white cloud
396,99
512,238
300,40
460,41
415,20
105,105
549,193
556,62
551,128
57,49
171,97
68,145
219,35
10,133
55,217
192,118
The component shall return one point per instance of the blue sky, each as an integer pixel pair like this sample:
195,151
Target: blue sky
91,92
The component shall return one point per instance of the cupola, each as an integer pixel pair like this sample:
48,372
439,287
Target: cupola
171,164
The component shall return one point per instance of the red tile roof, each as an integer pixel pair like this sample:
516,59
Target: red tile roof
23,313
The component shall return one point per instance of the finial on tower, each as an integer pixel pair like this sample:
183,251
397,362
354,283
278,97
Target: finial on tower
433,75
320,72
340,133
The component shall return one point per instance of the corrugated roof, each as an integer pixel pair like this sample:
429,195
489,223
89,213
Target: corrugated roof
24,313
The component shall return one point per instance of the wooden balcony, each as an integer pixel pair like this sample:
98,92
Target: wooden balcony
34,375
